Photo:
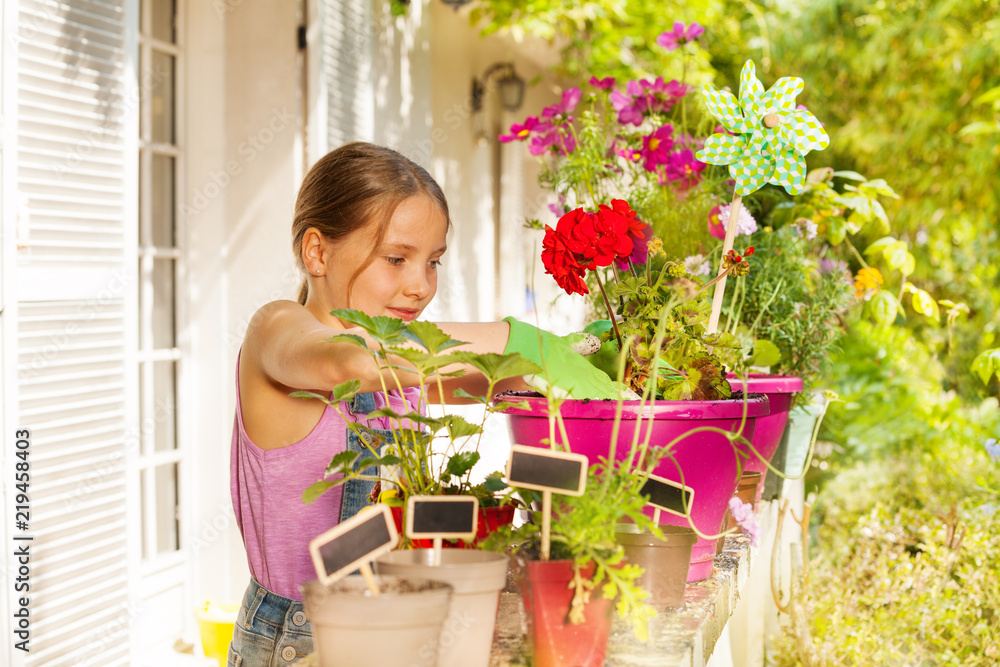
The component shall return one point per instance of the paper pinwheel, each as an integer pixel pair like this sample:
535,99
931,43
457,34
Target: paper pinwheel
769,135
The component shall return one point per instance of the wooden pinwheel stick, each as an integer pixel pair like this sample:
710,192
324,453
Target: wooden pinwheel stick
771,121
727,245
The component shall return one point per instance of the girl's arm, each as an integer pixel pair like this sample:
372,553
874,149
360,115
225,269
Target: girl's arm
289,346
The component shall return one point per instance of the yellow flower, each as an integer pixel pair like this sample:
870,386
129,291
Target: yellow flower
866,283
655,247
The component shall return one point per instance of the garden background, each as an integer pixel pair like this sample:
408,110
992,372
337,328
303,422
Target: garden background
905,535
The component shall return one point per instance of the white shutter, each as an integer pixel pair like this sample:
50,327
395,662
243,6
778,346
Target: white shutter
345,77
75,285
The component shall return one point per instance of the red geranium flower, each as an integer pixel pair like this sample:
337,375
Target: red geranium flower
561,263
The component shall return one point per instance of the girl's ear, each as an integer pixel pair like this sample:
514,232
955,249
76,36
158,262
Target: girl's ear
314,246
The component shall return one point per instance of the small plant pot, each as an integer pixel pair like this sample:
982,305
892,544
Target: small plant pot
665,562
489,521
780,390
476,577
353,628
747,493
545,587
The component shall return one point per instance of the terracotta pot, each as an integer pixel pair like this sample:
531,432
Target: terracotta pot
476,578
780,390
490,519
746,491
547,596
353,628
665,562
710,464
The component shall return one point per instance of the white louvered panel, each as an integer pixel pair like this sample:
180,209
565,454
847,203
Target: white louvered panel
71,110
347,70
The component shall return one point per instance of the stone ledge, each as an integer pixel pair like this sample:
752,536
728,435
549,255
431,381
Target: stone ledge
678,638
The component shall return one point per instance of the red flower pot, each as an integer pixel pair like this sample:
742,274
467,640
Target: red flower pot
490,519
547,598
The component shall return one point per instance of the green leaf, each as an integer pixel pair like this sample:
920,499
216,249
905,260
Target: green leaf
510,405
346,391
986,364
881,245
884,308
342,463
386,330
426,362
316,489
850,175
924,304
979,127
498,367
461,463
458,427
724,340
353,339
371,462
765,353
431,337
836,229
461,393
494,482
310,395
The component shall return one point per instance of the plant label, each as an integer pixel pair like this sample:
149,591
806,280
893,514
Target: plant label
545,470
442,517
668,495
353,543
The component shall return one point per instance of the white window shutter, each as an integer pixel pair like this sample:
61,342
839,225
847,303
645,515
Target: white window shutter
344,103
74,321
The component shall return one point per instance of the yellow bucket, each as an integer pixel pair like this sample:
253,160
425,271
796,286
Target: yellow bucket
215,624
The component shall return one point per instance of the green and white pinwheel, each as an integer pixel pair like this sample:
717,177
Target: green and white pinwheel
770,136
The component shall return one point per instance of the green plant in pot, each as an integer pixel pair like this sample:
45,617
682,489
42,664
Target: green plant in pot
422,455
570,597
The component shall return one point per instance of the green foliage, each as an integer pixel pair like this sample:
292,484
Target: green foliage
907,555
583,530
418,467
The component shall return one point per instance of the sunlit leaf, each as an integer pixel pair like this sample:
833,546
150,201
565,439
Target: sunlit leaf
986,364
461,463
430,336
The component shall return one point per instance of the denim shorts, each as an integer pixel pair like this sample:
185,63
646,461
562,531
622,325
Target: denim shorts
270,630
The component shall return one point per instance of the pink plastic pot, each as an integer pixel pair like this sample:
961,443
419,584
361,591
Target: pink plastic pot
780,390
709,462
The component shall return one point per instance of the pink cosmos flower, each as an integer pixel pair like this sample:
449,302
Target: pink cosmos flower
716,226
557,140
624,104
521,131
683,168
607,83
656,147
743,515
680,35
570,98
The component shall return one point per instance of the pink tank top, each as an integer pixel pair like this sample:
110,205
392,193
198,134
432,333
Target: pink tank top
267,485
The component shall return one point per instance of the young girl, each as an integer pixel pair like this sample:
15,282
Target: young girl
369,231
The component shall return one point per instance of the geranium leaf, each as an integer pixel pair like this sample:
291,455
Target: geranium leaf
430,336
461,393
316,489
353,339
461,463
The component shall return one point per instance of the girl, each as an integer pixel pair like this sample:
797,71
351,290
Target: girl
369,231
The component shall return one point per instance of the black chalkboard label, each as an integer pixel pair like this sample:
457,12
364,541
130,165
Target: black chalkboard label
448,517
668,495
359,540
546,470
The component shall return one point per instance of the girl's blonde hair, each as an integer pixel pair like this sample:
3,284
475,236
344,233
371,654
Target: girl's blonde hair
351,187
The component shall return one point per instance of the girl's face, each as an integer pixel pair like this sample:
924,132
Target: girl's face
402,278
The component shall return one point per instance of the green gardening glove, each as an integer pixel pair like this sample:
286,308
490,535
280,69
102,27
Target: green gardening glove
562,367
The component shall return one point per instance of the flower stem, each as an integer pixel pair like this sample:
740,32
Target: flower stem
611,313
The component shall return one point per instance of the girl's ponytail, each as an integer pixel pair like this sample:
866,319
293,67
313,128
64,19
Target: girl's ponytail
303,292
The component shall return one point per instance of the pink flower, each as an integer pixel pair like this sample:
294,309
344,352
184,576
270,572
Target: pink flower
683,168
607,83
521,131
716,226
743,515
679,36
656,147
558,140
628,112
570,99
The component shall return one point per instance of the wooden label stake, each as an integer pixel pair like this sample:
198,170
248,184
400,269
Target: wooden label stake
353,544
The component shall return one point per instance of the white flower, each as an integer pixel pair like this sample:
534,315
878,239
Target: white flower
745,224
697,265
808,228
